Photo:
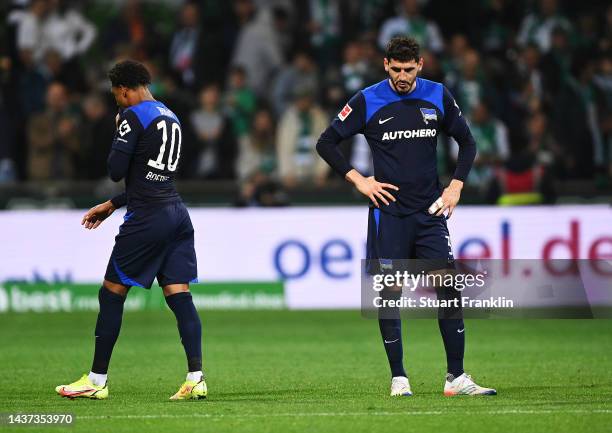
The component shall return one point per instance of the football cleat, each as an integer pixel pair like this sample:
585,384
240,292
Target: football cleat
83,388
464,385
191,390
400,387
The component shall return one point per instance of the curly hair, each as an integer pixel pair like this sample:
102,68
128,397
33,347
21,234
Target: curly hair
403,49
130,74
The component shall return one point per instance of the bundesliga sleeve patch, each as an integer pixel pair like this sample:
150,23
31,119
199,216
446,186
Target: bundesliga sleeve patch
342,115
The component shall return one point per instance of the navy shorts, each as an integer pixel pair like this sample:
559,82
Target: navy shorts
415,236
154,242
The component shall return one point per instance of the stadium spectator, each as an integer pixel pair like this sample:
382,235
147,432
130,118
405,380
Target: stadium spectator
528,70
493,148
526,94
257,154
298,130
471,87
302,72
354,69
158,78
432,68
7,138
324,26
69,74
54,144
537,27
575,120
556,63
492,28
97,132
587,32
52,36
215,143
129,31
239,102
542,144
184,43
369,15
605,42
373,57
32,85
603,83
243,12
410,22
452,64
30,32
258,51
257,164
66,31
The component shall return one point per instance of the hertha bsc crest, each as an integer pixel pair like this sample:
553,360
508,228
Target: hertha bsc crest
429,114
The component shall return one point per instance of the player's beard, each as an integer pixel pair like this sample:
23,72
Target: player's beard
404,88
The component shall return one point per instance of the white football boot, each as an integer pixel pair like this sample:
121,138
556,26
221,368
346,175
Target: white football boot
464,385
400,387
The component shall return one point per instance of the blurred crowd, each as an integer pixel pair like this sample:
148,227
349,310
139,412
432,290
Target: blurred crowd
255,82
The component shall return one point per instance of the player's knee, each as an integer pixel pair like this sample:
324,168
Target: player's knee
172,289
119,289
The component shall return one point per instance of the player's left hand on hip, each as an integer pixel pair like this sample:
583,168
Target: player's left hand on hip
448,200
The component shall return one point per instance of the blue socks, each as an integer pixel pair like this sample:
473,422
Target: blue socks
453,335
189,326
107,328
109,325
391,332
452,331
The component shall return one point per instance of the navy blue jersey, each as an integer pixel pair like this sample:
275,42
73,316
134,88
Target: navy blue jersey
151,135
402,131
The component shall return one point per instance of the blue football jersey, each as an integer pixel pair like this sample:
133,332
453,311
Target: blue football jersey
151,134
402,131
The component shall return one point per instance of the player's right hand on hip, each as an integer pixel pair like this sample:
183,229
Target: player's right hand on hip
375,190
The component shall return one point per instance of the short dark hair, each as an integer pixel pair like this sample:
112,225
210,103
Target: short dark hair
130,74
403,49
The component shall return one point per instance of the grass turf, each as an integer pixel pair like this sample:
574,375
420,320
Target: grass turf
281,371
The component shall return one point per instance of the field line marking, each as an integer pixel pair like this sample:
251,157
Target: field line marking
356,414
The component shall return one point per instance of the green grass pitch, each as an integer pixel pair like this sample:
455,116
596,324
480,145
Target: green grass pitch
282,371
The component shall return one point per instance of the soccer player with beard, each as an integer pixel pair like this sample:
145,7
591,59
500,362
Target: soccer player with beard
400,118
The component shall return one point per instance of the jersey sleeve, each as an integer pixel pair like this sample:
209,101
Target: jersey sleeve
453,118
455,125
119,200
351,119
128,130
